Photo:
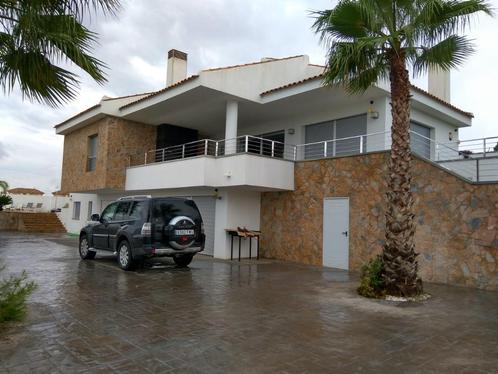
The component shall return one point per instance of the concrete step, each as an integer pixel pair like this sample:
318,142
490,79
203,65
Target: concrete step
42,222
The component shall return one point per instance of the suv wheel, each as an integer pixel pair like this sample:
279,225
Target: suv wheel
84,250
125,259
183,260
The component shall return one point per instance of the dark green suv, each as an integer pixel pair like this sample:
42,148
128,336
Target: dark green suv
139,227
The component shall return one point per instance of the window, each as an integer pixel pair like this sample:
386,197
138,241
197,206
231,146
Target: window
138,210
76,210
90,209
420,139
122,211
92,153
349,129
108,213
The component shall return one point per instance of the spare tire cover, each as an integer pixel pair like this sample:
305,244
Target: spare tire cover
181,241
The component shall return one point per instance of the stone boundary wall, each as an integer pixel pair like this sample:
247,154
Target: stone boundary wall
11,221
457,221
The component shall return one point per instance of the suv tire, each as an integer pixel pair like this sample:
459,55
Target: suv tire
183,260
125,259
84,250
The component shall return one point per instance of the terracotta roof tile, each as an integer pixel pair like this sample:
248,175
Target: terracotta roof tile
319,76
445,103
25,191
192,77
59,193
77,115
418,89
270,59
126,96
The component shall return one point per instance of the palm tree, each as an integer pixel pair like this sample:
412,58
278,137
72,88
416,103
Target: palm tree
36,36
4,186
370,40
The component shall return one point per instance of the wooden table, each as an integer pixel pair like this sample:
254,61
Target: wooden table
235,233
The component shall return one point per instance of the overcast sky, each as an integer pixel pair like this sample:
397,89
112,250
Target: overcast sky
213,33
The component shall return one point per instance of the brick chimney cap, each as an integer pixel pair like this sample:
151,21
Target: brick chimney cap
178,54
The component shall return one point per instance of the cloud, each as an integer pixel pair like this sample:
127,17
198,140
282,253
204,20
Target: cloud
214,33
3,151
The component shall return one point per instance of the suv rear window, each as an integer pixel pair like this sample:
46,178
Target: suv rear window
165,210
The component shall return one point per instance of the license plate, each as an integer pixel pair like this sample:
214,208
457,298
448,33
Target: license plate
184,232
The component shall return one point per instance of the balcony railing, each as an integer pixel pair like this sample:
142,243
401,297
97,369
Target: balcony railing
474,159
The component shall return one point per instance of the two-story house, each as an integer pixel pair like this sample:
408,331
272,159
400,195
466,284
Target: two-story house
235,139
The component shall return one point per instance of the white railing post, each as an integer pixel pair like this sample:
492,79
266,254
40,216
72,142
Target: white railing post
295,152
272,148
205,147
247,143
216,150
361,143
261,145
145,162
484,146
325,149
183,151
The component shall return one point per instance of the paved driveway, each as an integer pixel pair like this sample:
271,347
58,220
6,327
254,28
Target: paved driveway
219,316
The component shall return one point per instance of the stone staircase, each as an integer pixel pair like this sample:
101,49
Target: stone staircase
41,222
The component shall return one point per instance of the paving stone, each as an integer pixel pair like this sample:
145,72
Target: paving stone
225,317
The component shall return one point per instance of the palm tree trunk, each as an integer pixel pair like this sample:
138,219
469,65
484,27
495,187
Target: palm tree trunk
400,264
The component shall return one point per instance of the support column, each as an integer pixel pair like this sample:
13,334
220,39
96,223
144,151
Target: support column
232,113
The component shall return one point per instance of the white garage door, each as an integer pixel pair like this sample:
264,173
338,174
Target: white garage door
207,207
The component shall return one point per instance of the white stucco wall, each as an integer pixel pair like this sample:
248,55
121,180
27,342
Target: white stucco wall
49,201
236,170
236,208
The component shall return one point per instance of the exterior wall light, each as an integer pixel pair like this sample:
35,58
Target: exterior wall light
291,131
372,113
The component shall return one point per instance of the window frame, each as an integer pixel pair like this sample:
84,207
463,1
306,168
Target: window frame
76,217
91,159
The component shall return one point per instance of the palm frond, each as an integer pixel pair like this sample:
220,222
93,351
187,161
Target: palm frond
447,54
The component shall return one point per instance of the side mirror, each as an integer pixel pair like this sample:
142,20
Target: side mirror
95,217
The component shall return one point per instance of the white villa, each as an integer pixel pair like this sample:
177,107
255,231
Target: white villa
228,135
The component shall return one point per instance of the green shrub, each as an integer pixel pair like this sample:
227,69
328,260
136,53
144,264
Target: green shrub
14,291
372,283
5,200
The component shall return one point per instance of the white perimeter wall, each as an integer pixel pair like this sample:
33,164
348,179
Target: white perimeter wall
49,201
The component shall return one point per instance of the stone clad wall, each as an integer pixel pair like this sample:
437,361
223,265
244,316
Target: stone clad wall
119,142
457,231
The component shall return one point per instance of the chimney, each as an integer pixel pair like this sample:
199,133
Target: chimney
439,84
177,67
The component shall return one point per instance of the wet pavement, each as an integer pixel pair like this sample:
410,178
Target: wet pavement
220,316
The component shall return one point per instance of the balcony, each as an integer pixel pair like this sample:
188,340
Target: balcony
244,161
267,165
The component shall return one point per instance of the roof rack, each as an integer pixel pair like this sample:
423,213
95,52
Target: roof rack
135,197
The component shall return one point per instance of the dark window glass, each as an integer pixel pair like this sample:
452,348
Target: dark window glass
76,210
420,140
122,211
92,153
138,210
108,213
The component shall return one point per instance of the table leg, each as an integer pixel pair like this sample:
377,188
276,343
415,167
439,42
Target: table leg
240,241
257,249
231,247
250,247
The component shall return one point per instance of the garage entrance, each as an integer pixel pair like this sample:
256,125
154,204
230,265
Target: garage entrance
207,207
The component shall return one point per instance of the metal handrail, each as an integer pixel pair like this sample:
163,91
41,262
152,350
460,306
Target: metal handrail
249,144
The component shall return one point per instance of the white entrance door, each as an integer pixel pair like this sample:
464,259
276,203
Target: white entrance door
336,232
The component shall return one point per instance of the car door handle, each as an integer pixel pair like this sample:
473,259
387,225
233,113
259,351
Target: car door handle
345,233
